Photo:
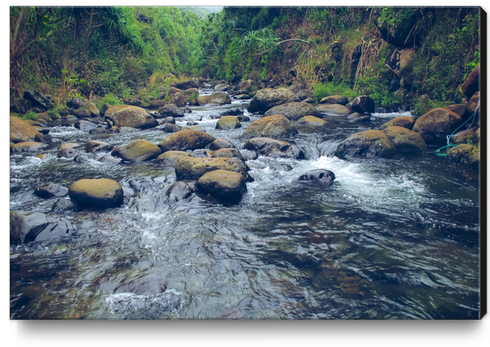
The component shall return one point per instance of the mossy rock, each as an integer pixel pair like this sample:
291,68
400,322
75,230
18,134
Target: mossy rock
367,144
194,168
466,136
227,186
276,126
436,124
294,110
130,116
267,98
466,154
169,158
186,140
220,98
100,192
228,122
405,140
335,99
21,131
28,146
402,121
336,109
137,151
274,148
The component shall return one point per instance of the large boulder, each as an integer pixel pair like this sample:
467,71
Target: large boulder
402,121
367,144
245,87
186,140
267,98
220,98
472,83
21,131
335,99
194,168
27,226
274,148
363,104
38,99
130,116
228,122
170,110
102,192
405,140
27,146
227,186
335,109
137,150
276,126
436,124
294,110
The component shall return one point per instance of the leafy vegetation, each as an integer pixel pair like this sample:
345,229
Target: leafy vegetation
118,52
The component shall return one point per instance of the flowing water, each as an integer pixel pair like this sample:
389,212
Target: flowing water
390,239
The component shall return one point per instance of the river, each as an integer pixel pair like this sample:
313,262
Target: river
390,239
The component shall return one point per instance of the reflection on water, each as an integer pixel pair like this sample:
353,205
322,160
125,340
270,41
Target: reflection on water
390,239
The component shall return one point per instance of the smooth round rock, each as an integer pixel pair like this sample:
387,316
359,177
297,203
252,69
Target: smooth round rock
102,192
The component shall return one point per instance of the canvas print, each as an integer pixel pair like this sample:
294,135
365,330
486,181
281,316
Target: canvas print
272,163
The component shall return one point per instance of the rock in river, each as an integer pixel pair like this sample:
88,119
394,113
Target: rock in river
405,141
224,185
100,192
276,126
228,122
130,116
21,131
436,124
137,150
294,110
320,177
267,98
186,140
274,148
193,168
366,144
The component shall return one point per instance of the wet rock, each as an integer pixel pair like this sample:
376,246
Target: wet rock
82,158
98,130
473,103
336,109
169,158
267,98
193,168
402,121
186,140
311,121
366,144
178,191
170,110
97,146
157,103
168,120
363,104
62,205
220,98
274,148
228,153
335,99
248,154
110,159
466,154
231,112
221,143
191,83
202,153
21,131
145,285
137,151
27,146
243,118
34,226
224,185
85,125
405,140
100,192
50,189
228,122
245,87
465,136
320,177
276,126
172,128
472,83
436,124
191,123
294,110
130,116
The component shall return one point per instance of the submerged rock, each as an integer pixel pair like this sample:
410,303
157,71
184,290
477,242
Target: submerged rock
321,177
178,191
50,189
27,226
100,192
227,186
366,144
